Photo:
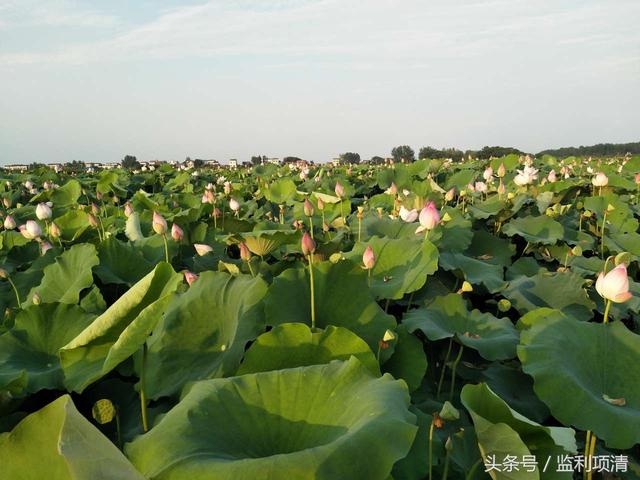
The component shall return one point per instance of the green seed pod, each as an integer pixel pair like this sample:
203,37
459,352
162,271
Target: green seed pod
103,411
504,305
577,251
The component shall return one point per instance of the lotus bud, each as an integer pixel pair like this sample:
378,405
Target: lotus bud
245,253
339,190
54,231
93,221
325,227
379,210
308,244
95,209
177,233
308,208
552,176
216,213
502,171
636,178
487,174
234,205
202,249
408,216
128,209
450,194
35,299
190,277
600,180
227,188
43,211
320,204
368,258
45,247
389,336
392,190
31,230
614,285
9,223
6,202
504,305
429,217
159,224
3,274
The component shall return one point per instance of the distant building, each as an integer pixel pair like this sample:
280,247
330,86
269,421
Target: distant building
16,167
211,163
274,161
336,161
233,163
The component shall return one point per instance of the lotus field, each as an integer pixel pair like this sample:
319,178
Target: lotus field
429,320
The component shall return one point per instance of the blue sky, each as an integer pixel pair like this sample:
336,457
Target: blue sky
227,79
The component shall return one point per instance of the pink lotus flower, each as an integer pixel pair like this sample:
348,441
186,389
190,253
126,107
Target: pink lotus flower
234,205
202,249
552,176
481,187
159,224
245,253
368,258
308,244
487,174
392,190
502,171
54,230
429,217
45,247
450,194
43,211
614,285
339,190
9,223
177,233
600,180
190,277
30,230
408,215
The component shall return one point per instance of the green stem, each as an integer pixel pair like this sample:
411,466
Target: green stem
313,306
444,367
445,473
604,220
386,305
118,431
143,400
359,229
250,269
15,290
431,451
473,469
369,277
311,226
606,312
166,248
453,372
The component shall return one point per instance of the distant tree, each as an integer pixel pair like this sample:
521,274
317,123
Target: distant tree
198,163
257,159
376,160
130,162
291,159
187,159
403,153
599,150
430,152
75,166
350,158
488,152
35,166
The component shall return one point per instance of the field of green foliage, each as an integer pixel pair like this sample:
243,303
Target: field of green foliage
431,320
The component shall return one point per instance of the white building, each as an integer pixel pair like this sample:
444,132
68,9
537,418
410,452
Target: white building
233,163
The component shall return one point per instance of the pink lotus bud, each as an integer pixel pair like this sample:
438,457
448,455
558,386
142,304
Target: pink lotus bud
234,205
368,258
502,171
600,180
43,211
450,194
177,233
637,178
502,189
245,254
95,209
93,221
54,231
321,204
408,215
190,277
481,187
308,208
45,247
227,188
159,224
339,190
216,213
9,223
614,285
202,249
392,190
308,244
128,209
487,174
6,202
429,217
552,176
30,230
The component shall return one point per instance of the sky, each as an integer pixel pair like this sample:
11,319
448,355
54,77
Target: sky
163,79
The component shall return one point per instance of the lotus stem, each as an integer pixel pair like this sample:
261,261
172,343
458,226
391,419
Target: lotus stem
444,367
251,269
447,457
431,449
359,228
311,226
166,247
604,221
473,469
312,290
143,400
118,430
453,371
15,291
369,277
606,312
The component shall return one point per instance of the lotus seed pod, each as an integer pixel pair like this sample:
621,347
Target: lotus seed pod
389,336
504,305
577,251
36,298
103,411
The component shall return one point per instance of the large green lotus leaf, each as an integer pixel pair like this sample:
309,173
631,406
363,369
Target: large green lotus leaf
342,298
461,179
204,331
66,195
25,281
455,235
620,220
32,344
624,242
266,241
541,229
121,263
488,208
319,422
386,227
502,431
120,331
561,290
408,361
72,224
280,191
475,271
583,371
448,316
491,249
402,265
68,276
58,443
295,345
